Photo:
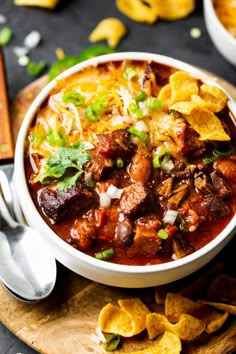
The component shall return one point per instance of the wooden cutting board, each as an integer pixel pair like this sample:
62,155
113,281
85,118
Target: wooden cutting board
63,323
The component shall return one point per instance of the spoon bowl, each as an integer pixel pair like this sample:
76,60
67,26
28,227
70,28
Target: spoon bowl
26,268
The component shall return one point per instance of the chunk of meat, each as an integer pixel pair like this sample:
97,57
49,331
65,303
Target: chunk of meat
83,233
178,195
186,139
202,183
180,247
166,187
132,197
155,77
58,205
124,233
97,166
216,207
114,145
140,168
222,187
146,239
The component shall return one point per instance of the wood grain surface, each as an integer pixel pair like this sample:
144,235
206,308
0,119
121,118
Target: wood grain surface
63,323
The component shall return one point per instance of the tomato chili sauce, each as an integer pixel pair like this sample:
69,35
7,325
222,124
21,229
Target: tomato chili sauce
122,165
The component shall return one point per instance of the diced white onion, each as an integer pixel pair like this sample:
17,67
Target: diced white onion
126,98
88,145
141,125
105,200
114,192
117,120
2,19
100,335
23,60
121,217
174,257
169,165
111,190
20,51
170,217
32,39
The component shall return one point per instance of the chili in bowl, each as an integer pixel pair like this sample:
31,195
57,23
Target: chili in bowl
126,165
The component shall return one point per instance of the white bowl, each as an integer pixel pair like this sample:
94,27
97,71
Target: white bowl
222,39
87,266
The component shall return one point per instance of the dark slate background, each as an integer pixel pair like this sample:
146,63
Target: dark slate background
69,26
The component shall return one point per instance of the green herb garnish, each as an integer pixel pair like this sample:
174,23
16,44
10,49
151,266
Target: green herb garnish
35,69
5,36
130,73
72,158
112,342
138,133
104,255
162,234
94,110
161,158
37,138
182,223
56,136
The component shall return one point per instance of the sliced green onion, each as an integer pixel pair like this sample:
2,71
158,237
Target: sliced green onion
119,162
153,103
141,96
138,133
217,154
5,36
73,97
161,158
94,110
37,138
133,108
162,234
112,342
130,73
223,153
91,184
35,69
56,137
104,255
182,223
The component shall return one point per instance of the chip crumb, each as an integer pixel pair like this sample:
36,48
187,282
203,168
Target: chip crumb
60,53
195,32
23,60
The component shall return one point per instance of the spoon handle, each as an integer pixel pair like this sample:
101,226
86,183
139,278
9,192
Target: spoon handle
5,215
6,143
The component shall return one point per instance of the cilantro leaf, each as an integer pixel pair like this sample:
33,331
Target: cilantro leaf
59,168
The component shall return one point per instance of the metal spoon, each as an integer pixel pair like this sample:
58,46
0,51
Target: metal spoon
26,268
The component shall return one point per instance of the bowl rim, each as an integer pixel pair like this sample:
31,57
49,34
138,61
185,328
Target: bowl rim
29,207
208,5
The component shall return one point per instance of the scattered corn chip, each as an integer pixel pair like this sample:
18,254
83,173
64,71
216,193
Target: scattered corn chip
203,121
214,98
139,10
50,4
175,305
183,86
127,320
169,343
187,328
175,9
110,29
220,306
